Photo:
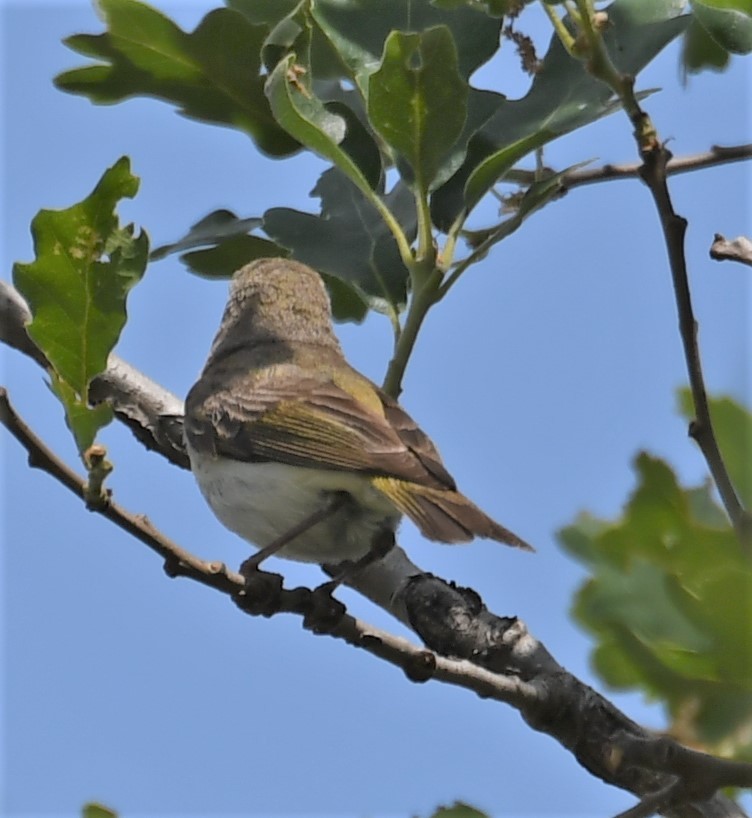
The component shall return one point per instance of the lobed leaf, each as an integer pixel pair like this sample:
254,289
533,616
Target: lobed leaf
225,245
229,255
669,602
701,51
83,420
562,98
77,286
727,22
212,74
732,425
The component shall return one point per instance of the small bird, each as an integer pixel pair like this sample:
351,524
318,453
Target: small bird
291,445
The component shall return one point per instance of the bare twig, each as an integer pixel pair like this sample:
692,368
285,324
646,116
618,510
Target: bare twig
717,155
738,249
653,171
701,428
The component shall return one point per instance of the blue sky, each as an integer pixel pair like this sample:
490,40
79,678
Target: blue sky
554,361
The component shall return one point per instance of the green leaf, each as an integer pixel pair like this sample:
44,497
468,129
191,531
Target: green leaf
212,229
212,74
701,51
728,23
562,98
268,12
358,30
226,245
417,100
732,425
306,118
83,420
492,169
669,602
230,255
76,288
97,811
347,303
349,240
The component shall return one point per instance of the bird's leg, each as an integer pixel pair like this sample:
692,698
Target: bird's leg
332,506
382,544
326,612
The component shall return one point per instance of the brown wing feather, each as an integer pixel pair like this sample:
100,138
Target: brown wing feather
416,440
288,417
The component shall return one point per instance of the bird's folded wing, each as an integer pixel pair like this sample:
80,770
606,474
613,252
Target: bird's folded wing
314,425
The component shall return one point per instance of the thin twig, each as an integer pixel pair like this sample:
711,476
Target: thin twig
653,171
717,155
701,428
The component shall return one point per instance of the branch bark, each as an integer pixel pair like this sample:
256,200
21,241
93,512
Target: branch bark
738,249
496,657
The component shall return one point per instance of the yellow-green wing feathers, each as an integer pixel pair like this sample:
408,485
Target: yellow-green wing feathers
445,515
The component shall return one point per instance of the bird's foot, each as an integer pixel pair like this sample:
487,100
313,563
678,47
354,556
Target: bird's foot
325,612
261,592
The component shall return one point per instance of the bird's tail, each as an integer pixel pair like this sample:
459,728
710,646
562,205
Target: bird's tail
445,515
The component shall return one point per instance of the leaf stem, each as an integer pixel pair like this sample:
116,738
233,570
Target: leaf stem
403,245
567,40
424,297
426,254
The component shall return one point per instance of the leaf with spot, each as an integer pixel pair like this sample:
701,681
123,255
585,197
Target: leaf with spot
358,30
307,119
76,288
417,101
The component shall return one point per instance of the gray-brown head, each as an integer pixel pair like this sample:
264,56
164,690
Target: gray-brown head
275,300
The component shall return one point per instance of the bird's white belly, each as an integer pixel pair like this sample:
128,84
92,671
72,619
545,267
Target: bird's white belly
262,501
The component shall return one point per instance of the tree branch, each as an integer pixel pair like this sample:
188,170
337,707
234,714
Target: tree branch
696,775
496,657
